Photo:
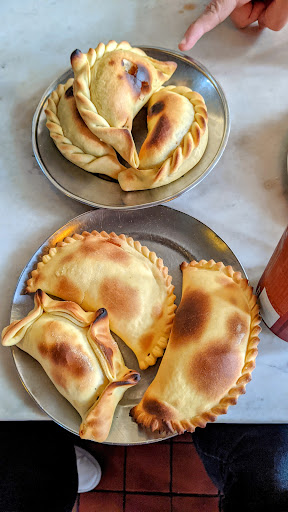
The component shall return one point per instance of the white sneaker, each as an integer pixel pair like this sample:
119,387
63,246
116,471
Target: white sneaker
89,471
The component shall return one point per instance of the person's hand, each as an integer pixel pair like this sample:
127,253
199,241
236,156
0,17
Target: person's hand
272,14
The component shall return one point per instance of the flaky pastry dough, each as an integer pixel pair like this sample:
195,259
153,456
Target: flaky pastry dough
79,355
177,138
72,137
112,83
211,352
105,270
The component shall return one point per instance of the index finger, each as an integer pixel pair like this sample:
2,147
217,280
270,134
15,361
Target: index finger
216,12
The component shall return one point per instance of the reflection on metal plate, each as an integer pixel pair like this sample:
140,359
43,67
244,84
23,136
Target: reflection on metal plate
175,237
97,191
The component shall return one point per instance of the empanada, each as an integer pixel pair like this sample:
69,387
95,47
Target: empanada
211,352
79,355
115,272
177,138
112,83
72,137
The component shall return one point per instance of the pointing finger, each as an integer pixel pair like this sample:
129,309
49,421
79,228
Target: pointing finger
216,12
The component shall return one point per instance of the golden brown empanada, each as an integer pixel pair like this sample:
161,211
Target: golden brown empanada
177,138
115,272
72,137
211,352
79,355
112,83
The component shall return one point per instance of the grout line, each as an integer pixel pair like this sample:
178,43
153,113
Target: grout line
158,493
124,478
171,473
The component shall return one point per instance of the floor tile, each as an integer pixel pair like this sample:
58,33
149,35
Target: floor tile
188,473
111,460
192,504
101,502
184,438
147,503
148,468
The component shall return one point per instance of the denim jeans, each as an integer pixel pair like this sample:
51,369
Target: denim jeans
248,464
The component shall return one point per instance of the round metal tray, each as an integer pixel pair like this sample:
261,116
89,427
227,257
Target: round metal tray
175,237
97,191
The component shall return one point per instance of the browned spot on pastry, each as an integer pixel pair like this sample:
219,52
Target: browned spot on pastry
107,352
238,328
67,290
120,299
69,92
215,370
138,77
61,354
91,247
191,318
156,108
231,293
159,409
196,134
145,341
111,241
157,311
74,55
161,131
111,62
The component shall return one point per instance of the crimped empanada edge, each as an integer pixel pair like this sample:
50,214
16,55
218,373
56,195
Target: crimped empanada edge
179,427
158,349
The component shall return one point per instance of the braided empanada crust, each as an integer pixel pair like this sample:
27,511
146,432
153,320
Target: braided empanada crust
73,138
112,83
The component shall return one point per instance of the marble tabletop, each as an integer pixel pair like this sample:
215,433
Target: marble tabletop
244,198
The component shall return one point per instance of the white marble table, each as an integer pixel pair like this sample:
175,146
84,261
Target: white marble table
244,199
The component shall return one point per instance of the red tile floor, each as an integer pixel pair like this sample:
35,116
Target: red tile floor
159,477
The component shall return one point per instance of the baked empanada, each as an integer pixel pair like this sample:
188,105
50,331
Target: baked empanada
112,83
211,352
72,137
115,272
177,138
79,355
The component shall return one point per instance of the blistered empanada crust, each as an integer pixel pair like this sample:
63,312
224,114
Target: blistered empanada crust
211,352
106,270
74,139
112,83
79,355
177,138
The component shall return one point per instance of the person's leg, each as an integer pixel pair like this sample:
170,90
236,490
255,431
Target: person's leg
248,464
37,467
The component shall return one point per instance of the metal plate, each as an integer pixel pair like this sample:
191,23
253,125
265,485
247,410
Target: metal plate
95,190
175,237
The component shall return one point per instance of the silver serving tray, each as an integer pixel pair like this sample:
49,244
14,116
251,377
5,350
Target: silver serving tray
99,191
175,237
